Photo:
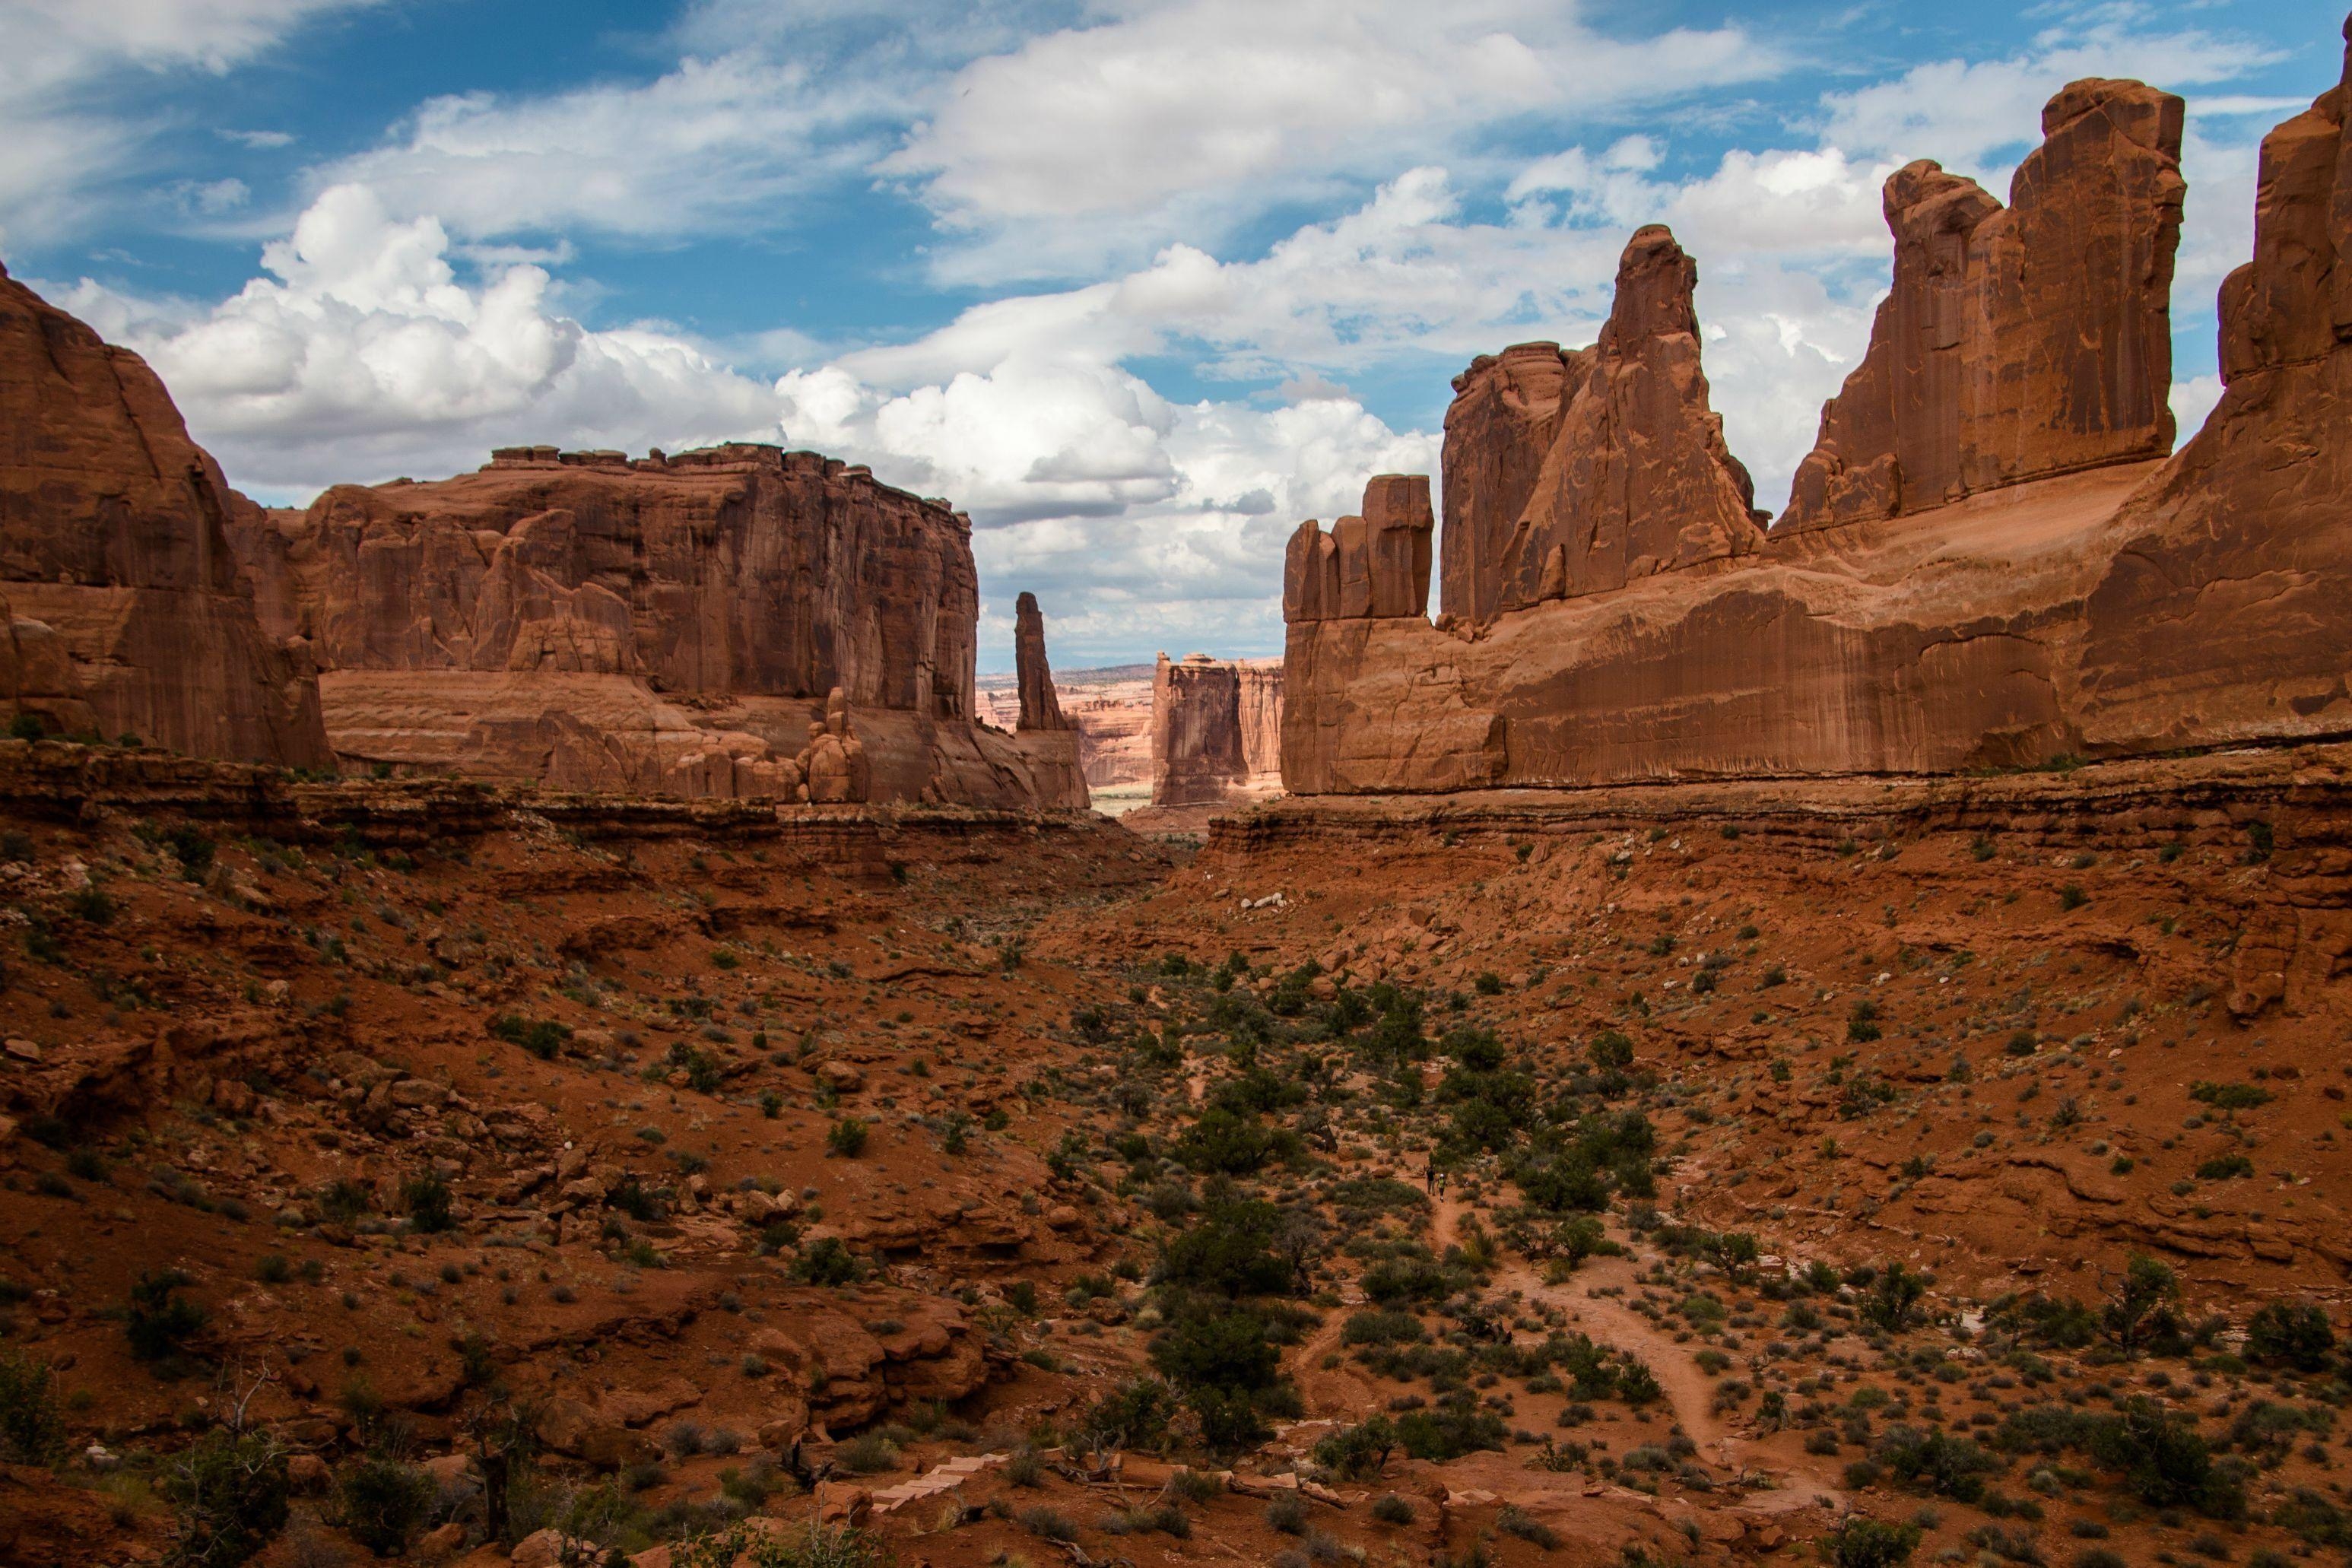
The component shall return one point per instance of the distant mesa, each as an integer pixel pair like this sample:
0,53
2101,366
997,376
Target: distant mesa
1216,727
738,621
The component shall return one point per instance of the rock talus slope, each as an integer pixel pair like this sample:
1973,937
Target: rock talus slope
129,613
2065,591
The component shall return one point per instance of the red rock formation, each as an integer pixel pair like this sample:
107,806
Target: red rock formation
1110,709
1504,417
112,538
1040,710
1368,566
1638,480
2018,341
1216,727
1050,738
2224,614
674,623
2117,608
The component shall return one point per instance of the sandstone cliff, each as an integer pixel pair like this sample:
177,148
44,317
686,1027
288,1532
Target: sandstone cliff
114,550
1051,740
2017,341
2222,612
1504,417
674,623
1216,728
1637,479
2070,593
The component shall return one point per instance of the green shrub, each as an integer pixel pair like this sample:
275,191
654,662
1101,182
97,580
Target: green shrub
1862,1541
31,1430
1935,1461
1449,1430
426,1198
2229,1096
1359,1452
158,1322
1894,1299
847,1137
228,1499
827,1261
383,1503
2297,1334
2165,1463
543,1037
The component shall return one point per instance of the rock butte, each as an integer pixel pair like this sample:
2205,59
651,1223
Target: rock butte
670,624
1987,562
1216,730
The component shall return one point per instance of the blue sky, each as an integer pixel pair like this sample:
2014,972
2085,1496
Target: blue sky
1140,284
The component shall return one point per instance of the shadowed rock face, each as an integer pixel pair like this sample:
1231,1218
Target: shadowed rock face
1504,417
671,623
2017,341
1216,728
113,538
2071,591
1050,738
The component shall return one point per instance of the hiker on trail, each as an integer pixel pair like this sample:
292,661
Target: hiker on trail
1430,1172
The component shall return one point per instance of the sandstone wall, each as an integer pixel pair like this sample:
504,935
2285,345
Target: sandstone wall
113,551
2122,604
674,623
1216,727
2017,341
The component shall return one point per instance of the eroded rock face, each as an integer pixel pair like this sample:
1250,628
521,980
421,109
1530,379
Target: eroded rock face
112,538
2070,599
1050,737
2018,341
1375,565
2222,612
671,623
1216,728
1637,479
1504,417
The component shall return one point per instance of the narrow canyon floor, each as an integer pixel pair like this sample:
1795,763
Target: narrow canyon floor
1863,1172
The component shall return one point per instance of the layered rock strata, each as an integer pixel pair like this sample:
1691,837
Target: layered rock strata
1216,728
126,610
1051,739
672,623
2017,341
2071,593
